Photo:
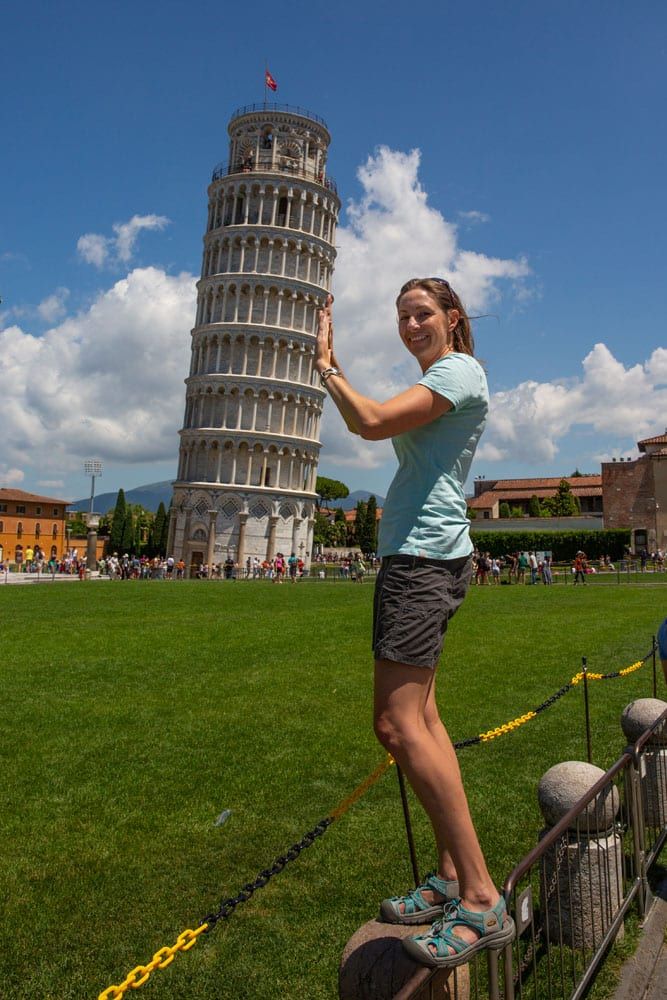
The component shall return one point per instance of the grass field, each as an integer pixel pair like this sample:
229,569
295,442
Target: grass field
135,713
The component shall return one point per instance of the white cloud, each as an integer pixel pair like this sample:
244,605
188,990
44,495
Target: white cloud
53,306
100,250
609,399
108,381
93,248
51,484
473,217
10,476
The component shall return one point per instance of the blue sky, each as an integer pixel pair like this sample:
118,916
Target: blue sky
518,149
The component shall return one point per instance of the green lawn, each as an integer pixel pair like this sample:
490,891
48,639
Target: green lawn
134,713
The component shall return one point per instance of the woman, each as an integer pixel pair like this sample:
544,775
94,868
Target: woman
425,547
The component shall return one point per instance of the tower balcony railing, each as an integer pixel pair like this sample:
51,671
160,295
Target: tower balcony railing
292,109
281,165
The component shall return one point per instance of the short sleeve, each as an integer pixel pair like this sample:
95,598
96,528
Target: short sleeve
457,377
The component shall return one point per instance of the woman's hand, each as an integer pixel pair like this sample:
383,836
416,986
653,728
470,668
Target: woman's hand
324,357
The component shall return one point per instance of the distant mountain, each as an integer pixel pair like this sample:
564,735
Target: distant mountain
150,496
349,503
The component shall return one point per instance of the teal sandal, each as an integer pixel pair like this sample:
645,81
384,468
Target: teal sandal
441,947
416,909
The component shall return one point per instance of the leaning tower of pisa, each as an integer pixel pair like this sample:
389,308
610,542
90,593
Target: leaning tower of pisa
249,444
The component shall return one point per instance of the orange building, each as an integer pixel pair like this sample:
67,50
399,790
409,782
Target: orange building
28,520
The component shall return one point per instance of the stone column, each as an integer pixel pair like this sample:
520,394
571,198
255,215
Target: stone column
271,547
91,546
374,966
582,876
240,556
637,717
210,553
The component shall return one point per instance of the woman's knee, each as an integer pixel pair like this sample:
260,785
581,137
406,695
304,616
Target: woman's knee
388,730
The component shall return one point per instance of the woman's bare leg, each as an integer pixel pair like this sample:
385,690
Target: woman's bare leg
403,703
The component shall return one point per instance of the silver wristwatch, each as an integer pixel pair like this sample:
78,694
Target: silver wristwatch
327,373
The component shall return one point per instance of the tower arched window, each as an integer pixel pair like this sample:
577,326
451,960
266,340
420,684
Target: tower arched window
267,138
240,201
281,218
38,530
54,531
19,529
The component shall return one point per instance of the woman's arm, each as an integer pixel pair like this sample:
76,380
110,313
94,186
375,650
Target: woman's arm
372,420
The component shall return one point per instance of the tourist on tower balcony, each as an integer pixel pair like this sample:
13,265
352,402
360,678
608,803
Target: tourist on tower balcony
424,542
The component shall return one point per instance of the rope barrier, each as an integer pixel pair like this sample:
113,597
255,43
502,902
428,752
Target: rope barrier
188,938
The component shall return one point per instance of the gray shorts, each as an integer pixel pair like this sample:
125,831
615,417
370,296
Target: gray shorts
414,600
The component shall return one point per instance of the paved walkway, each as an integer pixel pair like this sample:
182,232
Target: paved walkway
644,976
13,579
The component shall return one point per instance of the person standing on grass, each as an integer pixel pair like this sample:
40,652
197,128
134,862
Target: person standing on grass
424,542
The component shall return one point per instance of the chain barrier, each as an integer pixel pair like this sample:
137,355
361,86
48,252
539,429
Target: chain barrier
538,936
165,956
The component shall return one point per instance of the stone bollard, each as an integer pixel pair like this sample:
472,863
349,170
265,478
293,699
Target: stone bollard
582,878
374,966
637,717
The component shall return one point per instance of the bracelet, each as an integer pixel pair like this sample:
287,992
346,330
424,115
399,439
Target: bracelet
326,374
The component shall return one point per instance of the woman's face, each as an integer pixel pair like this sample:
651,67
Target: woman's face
425,328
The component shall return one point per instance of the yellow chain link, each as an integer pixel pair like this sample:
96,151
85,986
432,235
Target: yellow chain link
161,959
507,727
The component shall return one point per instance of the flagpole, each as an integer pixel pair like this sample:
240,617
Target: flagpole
266,70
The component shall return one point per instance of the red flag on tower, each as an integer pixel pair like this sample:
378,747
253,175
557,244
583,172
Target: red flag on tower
269,81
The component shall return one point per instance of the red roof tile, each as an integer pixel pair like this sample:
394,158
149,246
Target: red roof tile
21,495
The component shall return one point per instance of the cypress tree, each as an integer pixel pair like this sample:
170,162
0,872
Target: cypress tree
370,540
127,540
164,537
157,532
118,524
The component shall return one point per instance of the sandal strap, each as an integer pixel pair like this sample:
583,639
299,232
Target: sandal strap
441,935
414,901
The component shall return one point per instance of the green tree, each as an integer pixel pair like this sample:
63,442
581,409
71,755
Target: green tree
320,529
534,509
338,530
356,528
155,546
118,519
127,538
516,512
330,489
564,503
366,530
504,510
164,537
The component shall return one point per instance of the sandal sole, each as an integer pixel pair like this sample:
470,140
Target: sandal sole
390,916
491,942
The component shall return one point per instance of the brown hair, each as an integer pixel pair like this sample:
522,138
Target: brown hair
447,299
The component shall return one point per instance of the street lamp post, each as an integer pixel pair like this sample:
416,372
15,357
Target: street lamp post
93,468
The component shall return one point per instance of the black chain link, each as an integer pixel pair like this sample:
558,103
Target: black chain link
227,906
554,697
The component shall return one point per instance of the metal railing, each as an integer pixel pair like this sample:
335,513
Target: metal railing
282,165
267,106
570,896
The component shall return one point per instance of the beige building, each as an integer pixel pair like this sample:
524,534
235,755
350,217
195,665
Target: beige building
27,521
250,440
489,494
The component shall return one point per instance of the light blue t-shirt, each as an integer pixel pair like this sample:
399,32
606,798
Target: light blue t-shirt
425,510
